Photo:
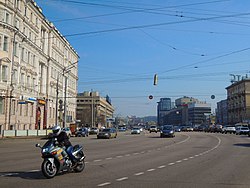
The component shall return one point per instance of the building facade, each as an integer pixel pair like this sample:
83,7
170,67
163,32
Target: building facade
222,112
198,112
93,110
34,57
238,100
163,107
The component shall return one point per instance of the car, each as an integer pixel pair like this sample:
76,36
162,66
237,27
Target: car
68,131
107,133
177,128
242,130
229,129
82,132
94,130
122,129
167,131
153,128
135,130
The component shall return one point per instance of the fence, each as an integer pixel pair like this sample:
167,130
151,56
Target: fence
23,133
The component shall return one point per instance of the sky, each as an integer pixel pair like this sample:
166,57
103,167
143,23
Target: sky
194,46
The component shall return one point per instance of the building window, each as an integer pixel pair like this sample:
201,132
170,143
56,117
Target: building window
4,73
28,81
22,79
22,54
15,49
1,41
5,43
7,18
15,76
1,105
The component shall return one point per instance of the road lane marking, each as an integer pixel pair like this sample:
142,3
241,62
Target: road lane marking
104,184
150,170
109,158
122,179
162,166
170,164
97,160
179,161
139,173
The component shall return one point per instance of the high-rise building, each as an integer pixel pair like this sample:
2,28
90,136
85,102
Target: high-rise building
163,107
222,112
34,63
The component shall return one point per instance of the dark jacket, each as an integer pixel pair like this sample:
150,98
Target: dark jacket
63,139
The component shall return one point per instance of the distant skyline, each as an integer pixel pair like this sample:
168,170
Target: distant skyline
192,45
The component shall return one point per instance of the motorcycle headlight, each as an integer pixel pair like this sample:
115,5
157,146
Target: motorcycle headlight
44,150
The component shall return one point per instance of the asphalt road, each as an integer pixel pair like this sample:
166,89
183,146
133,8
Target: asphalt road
189,160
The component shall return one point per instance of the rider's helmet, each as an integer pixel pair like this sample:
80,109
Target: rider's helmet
56,130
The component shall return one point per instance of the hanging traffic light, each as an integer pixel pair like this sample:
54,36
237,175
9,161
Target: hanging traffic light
155,79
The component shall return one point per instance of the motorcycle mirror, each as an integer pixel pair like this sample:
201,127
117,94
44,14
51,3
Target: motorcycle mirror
37,145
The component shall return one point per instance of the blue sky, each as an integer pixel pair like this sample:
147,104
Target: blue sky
192,45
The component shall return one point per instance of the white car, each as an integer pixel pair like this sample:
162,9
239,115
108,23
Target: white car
242,130
136,131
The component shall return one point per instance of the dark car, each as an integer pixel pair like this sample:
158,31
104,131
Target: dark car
167,131
107,133
82,132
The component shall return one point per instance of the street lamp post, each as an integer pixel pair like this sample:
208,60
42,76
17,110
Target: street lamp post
64,71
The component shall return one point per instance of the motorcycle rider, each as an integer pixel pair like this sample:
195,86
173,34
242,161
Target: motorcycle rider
63,140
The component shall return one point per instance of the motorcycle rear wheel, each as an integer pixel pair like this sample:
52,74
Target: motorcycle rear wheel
49,169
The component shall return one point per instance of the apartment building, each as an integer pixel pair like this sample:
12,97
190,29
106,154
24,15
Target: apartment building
34,63
94,110
238,101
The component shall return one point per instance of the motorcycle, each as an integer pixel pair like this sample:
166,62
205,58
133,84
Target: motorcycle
56,159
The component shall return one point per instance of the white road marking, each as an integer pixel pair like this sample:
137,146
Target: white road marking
122,179
139,173
109,158
179,161
163,166
169,164
150,170
104,184
97,160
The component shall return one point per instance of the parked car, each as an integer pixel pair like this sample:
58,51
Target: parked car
167,131
68,131
242,130
153,128
82,132
107,133
94,130
135,130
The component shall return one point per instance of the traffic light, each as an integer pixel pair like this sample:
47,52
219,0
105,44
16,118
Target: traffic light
155,79
60,105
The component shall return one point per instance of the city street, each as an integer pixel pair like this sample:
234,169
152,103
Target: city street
191,159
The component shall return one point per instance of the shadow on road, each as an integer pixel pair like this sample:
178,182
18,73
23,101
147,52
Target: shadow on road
243,145
25,175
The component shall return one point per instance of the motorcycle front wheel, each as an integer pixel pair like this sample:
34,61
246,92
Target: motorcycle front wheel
49,169
80,166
